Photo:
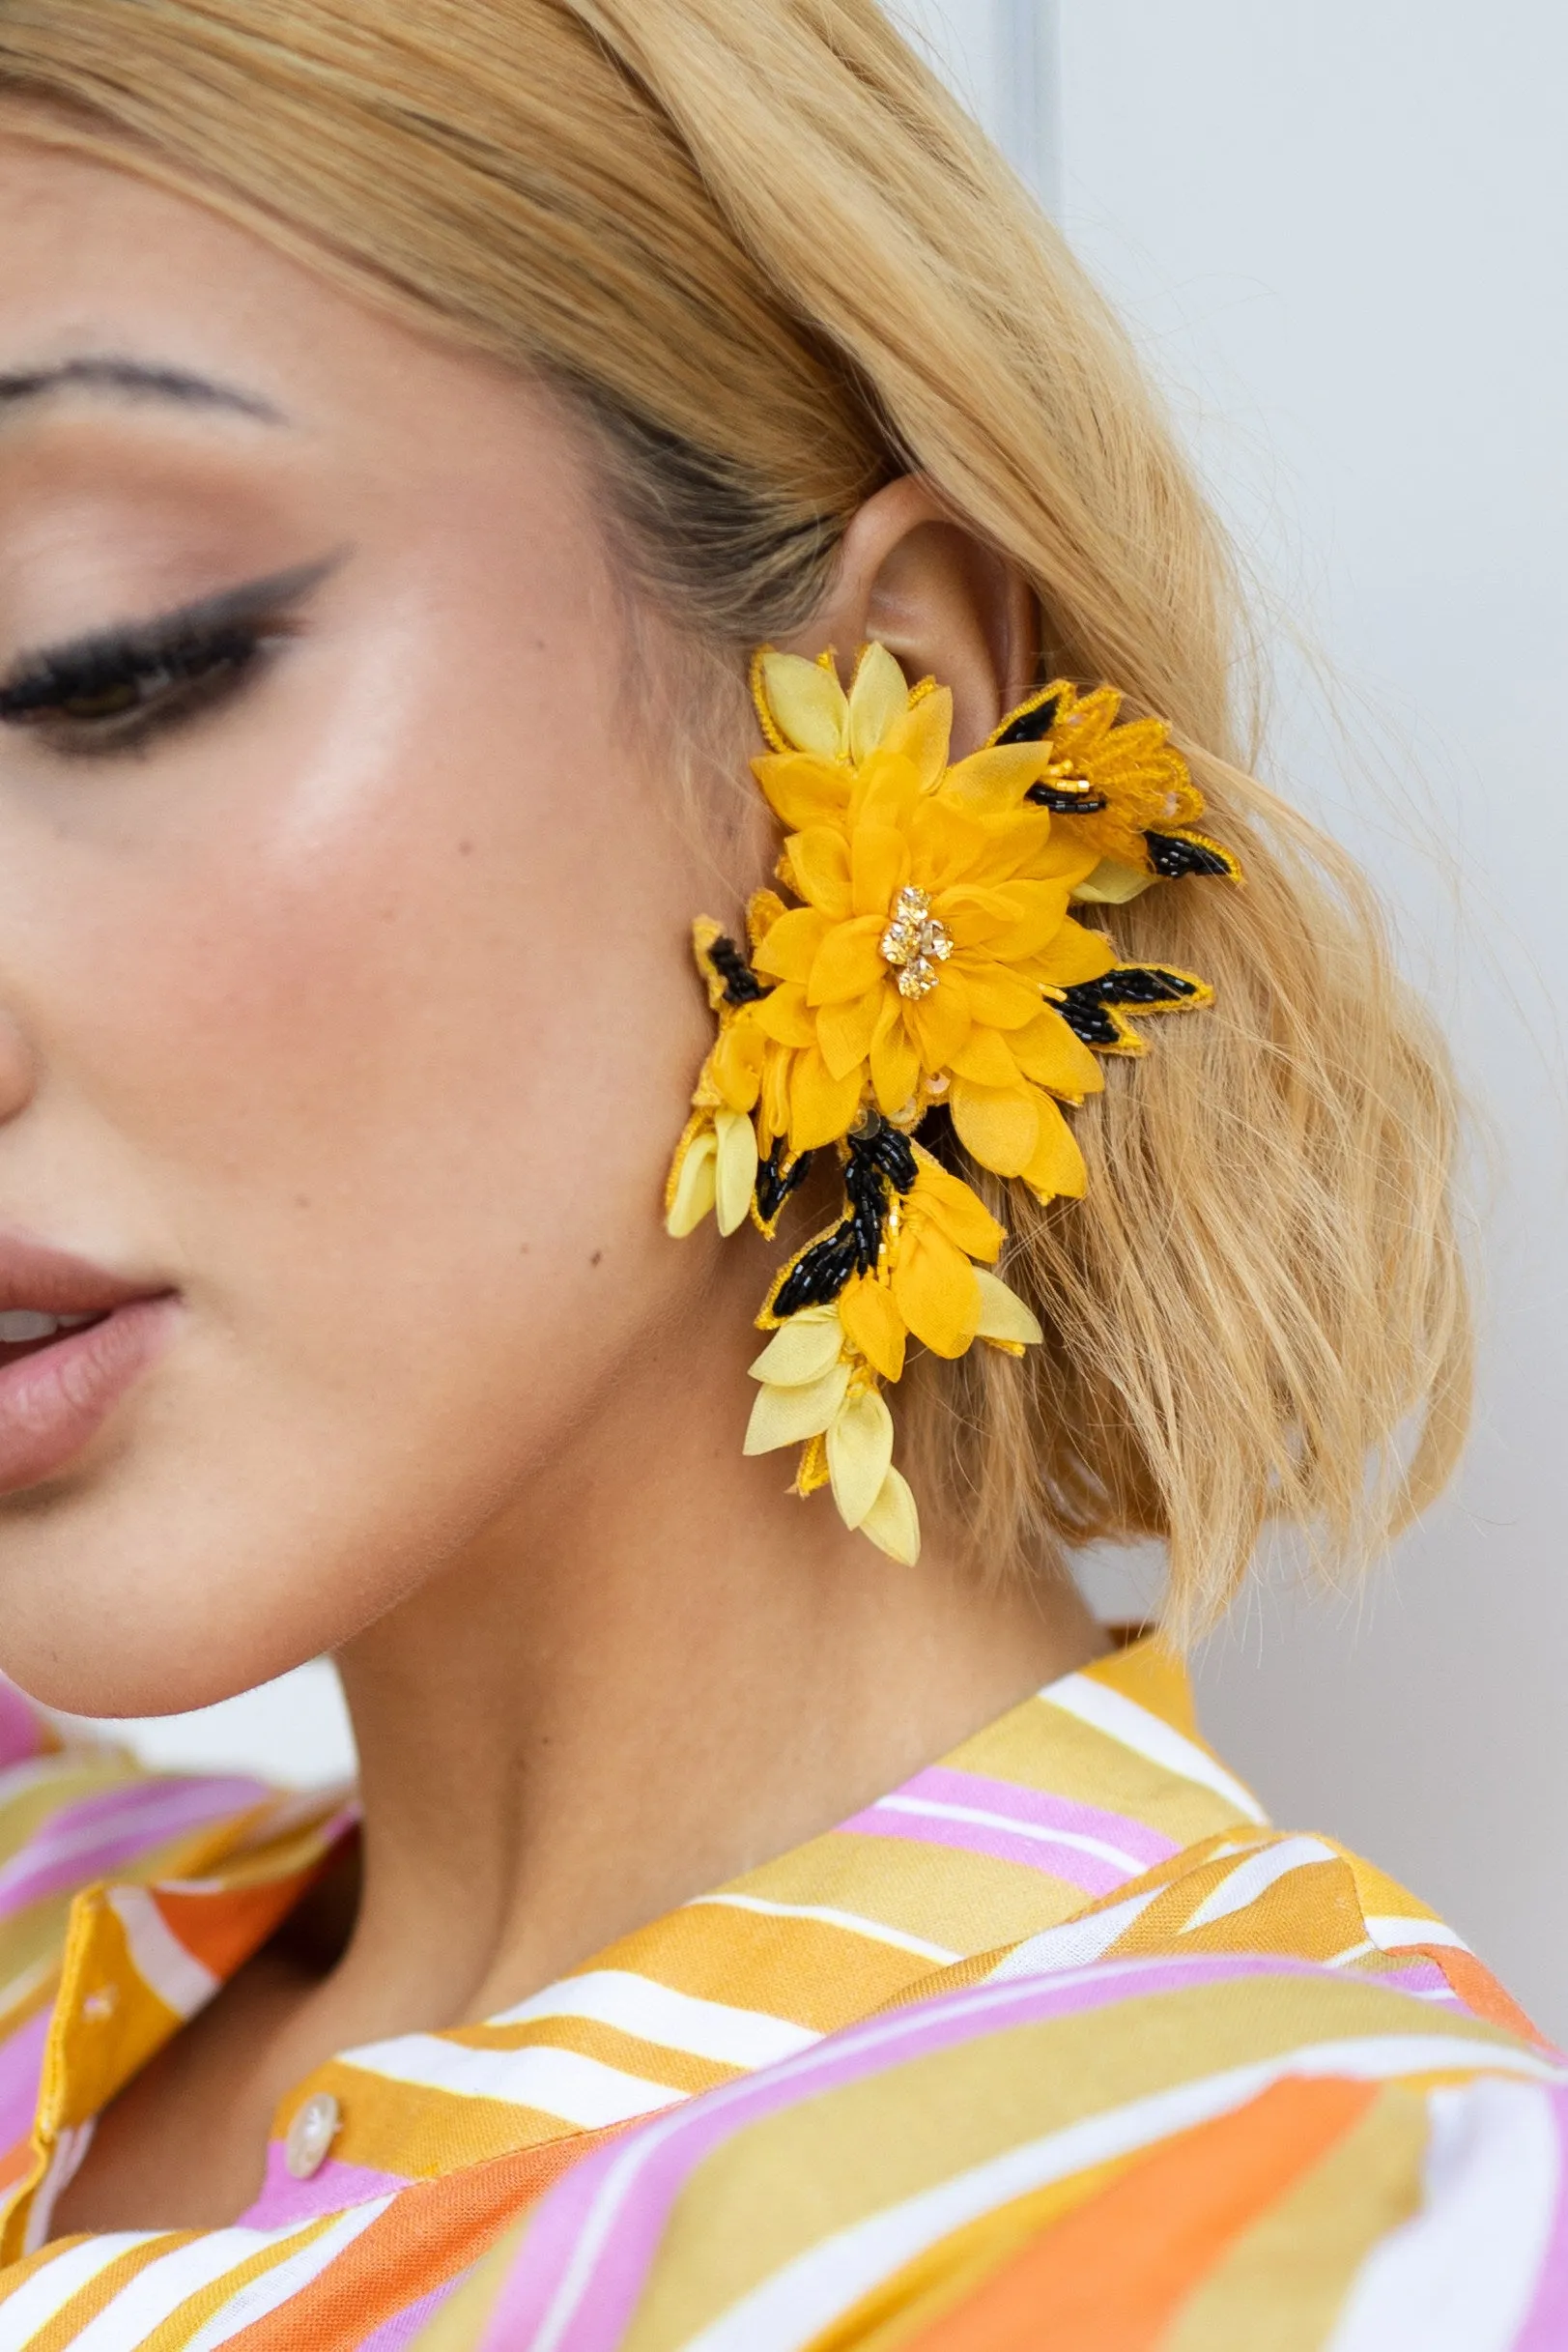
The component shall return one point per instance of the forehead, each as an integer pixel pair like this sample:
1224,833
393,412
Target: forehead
99,264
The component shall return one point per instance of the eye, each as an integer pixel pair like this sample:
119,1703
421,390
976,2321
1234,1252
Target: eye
115,689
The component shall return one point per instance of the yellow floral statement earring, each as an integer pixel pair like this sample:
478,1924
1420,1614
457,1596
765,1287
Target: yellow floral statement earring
930,963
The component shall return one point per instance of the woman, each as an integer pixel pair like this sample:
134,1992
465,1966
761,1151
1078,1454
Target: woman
413,420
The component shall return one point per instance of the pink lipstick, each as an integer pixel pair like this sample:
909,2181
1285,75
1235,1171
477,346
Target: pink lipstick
72,1341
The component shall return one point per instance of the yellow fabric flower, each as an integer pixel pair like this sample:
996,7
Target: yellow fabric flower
935,920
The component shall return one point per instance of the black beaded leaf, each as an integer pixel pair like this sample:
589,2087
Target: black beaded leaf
741,985
777,1177
1064,803
1032,726
1174,856
1089,1010
881,1163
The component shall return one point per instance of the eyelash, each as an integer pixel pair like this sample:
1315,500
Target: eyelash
118,695
115,692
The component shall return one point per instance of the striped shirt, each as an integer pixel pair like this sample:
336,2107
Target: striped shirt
1059,2044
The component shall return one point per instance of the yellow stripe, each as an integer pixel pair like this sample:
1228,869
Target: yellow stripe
1280,2287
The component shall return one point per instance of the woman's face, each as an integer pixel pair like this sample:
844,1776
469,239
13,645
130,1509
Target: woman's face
345,1018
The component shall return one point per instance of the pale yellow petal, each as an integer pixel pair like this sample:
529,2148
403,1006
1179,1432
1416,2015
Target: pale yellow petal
788,1417
808,705
802,1349
693,1191
924,734
877,700
860,1454
1112,884
735,1177
892,1522
1003,1315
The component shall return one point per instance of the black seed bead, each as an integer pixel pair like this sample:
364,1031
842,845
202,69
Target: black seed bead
1032,726
1174,858
742,986
775,1180
1066,804
1144,983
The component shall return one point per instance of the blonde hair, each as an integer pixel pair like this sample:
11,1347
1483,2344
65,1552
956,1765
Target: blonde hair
757,242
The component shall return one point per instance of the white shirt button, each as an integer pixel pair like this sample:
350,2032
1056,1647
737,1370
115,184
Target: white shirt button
311,2133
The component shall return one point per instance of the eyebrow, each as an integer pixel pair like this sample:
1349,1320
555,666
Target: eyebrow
132,379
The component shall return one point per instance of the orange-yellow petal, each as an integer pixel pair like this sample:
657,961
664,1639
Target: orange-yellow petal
895,1062
992,783
790,948
781,1014
948,1203
1073,954
880,863
735,1064
1057,1167
844,1031
985,1060
936,1291
821,1106
939,1023
998,1125
1049,1052
819,868
1039,911
802,791
874,1325
944,845
997,995
848,963
886,792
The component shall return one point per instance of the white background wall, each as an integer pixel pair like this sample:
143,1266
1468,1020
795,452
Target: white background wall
1341,233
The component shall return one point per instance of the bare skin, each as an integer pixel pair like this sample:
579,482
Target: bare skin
354,1009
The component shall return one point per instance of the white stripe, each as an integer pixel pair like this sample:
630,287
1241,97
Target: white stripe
1461,2273
1351,1951
1005,1821
557,2082
799,2302
287,2277
165,2284
70,2146
161,1960
1391,1935
1147,1735
876,1929
1255,1876
656,2013
46,2293
1075,1942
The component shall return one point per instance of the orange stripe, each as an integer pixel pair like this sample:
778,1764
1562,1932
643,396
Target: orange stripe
1478,1988
1112,2275
431,2232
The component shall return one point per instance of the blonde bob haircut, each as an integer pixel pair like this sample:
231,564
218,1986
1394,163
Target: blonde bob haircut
775,265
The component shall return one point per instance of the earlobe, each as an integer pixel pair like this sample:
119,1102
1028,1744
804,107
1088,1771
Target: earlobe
942,602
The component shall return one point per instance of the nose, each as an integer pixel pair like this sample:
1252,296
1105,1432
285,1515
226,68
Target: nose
19,1074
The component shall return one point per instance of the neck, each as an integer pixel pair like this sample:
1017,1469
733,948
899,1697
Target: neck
654,1671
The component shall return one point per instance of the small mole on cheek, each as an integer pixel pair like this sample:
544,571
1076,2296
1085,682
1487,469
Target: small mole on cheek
596,1257
301,1200
465,848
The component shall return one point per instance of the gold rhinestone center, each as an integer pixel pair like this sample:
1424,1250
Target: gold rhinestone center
915,943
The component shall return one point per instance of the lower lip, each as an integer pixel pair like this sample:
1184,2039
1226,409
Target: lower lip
54,1402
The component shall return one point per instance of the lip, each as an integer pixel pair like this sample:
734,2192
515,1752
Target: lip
55,1401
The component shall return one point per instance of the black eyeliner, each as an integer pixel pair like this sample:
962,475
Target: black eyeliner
193,640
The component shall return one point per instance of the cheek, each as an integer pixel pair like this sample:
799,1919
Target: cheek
383,1067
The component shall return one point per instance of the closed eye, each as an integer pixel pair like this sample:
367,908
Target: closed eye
112,690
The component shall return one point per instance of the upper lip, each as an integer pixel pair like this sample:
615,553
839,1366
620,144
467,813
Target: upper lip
54,1283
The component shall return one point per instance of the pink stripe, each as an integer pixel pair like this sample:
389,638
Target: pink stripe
144,1819
21,2069
21,1728
635,2182
284,2200
1546,2327
1044,1811
1086,1872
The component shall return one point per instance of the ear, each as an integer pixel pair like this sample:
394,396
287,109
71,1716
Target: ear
946,605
